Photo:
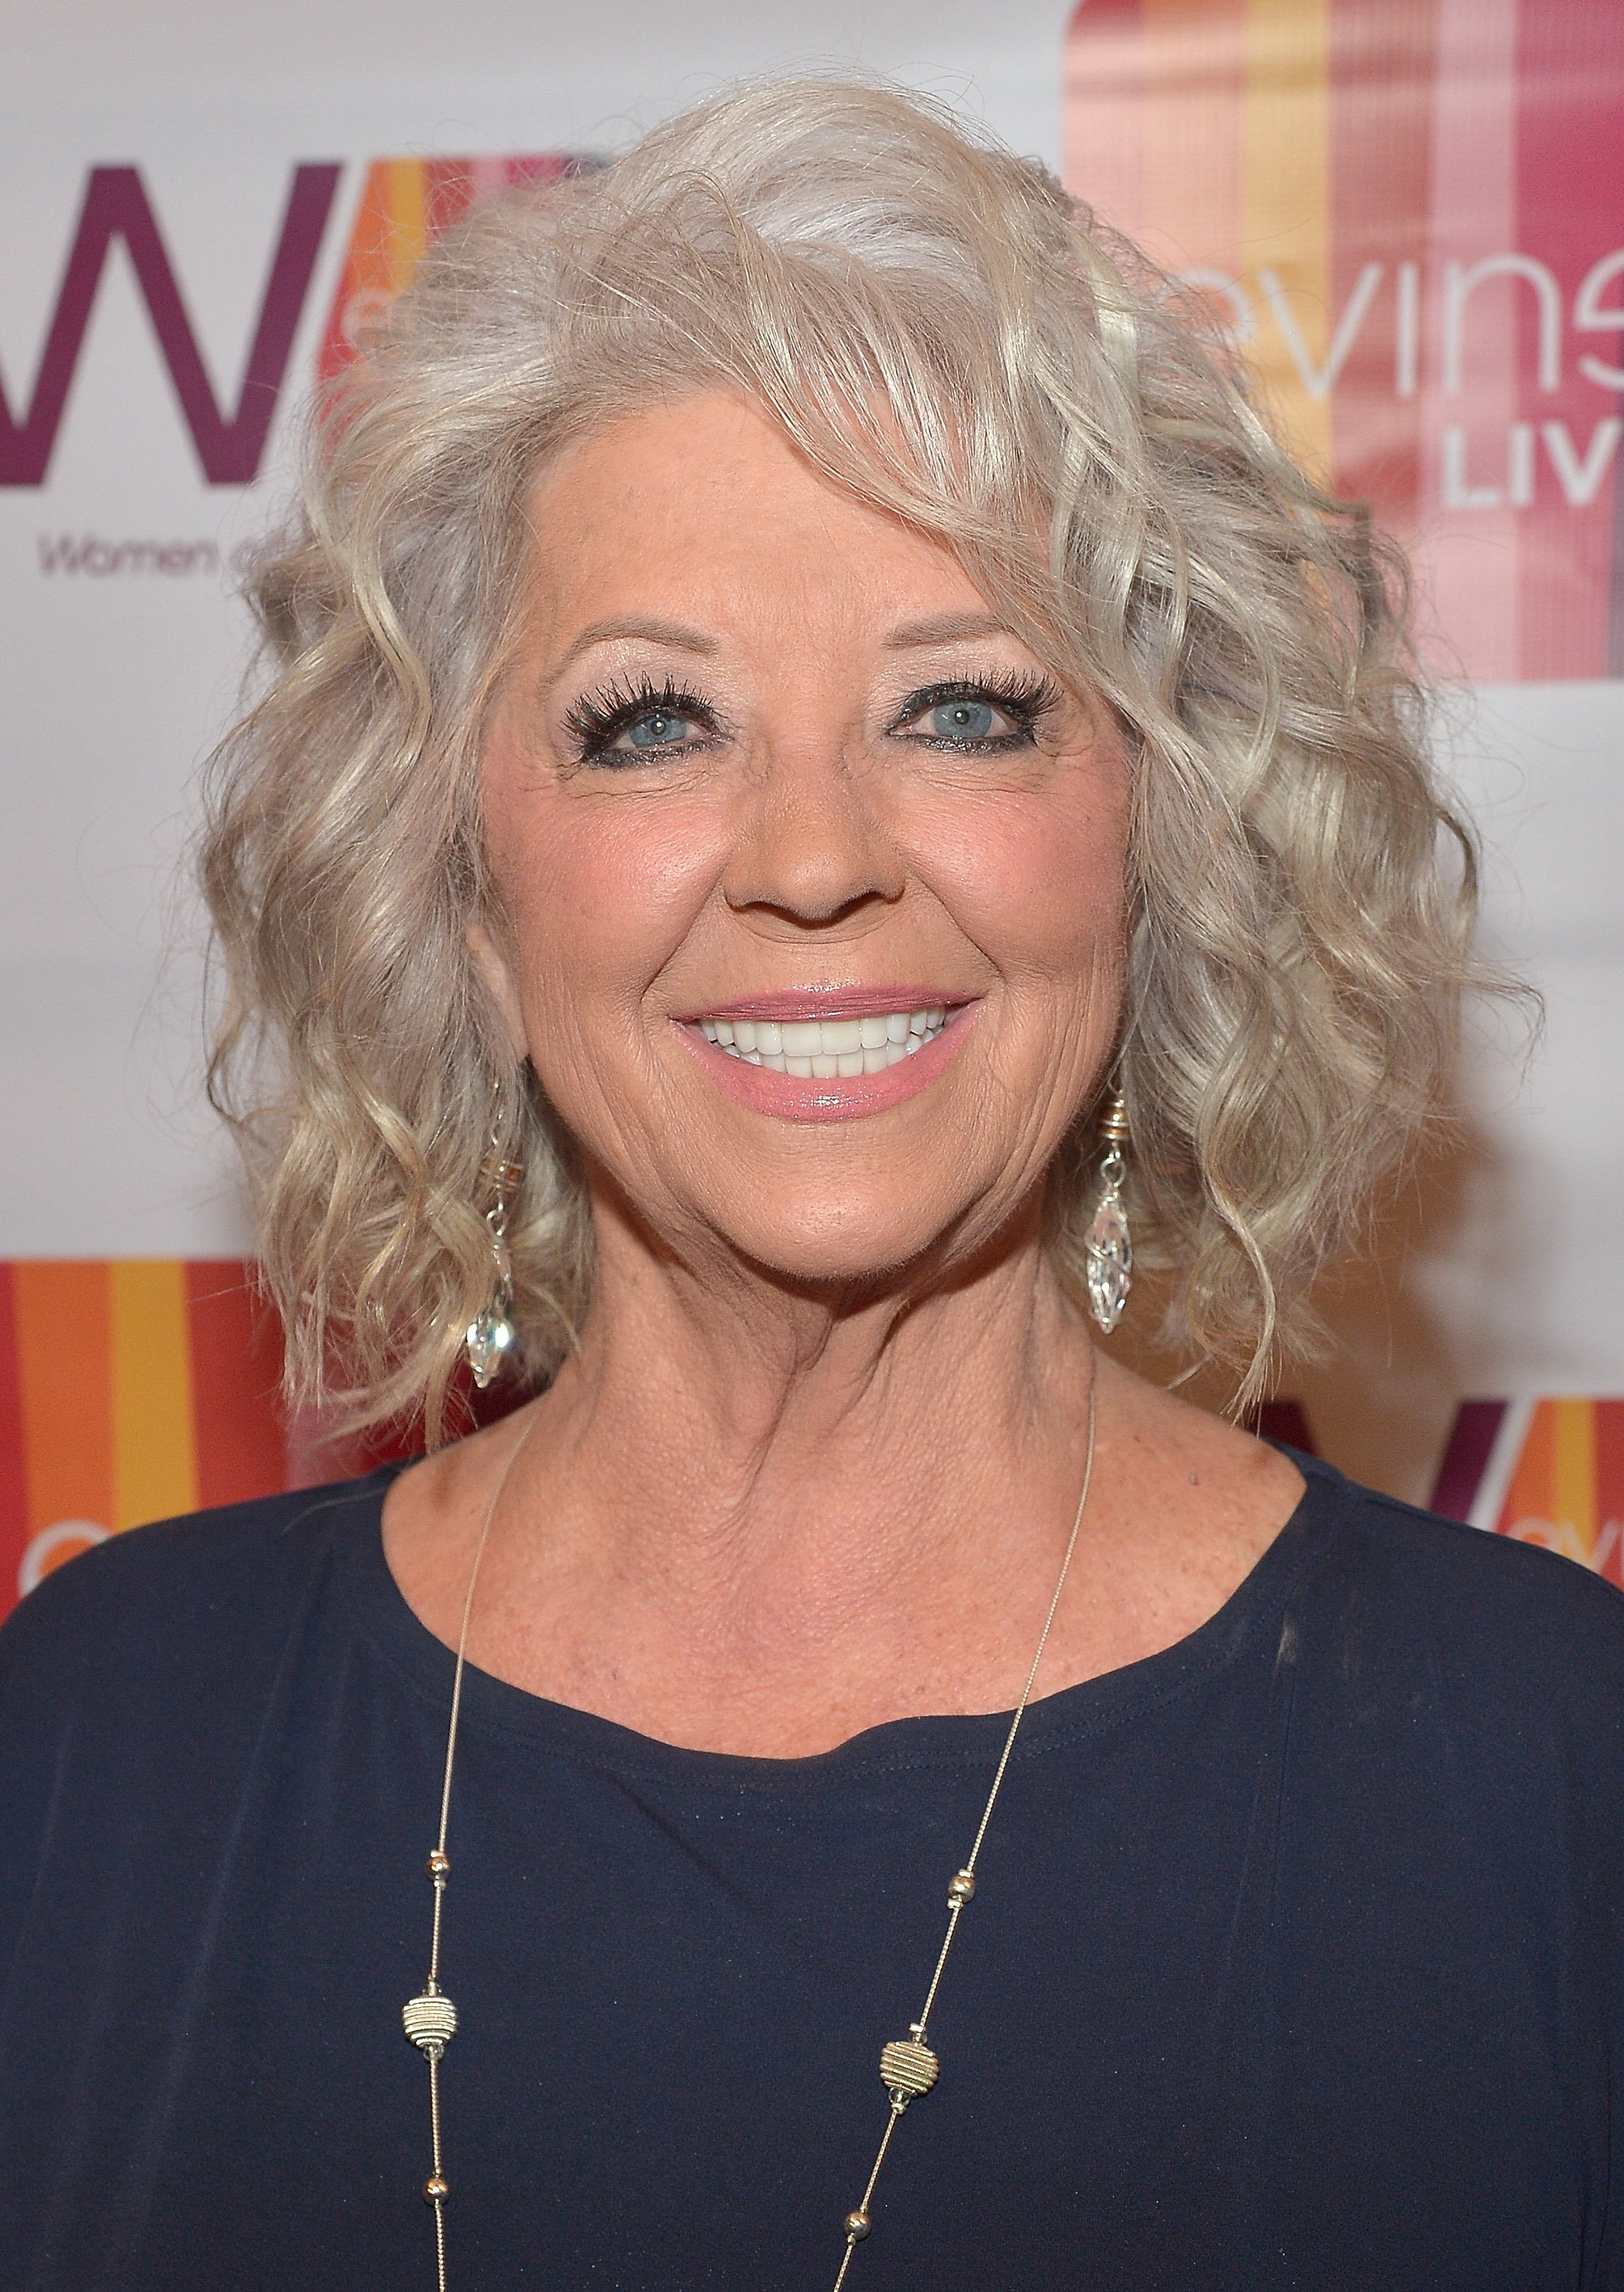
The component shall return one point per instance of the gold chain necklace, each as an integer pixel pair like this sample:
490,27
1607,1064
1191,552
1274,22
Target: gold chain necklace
907,2066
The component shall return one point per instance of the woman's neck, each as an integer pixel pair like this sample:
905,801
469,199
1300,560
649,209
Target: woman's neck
734,1426
750,1519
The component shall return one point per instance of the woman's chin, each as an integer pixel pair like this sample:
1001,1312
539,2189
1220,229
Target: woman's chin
847,1243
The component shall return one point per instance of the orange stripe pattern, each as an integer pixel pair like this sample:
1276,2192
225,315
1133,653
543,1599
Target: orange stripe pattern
129,1391
405,206
1566,1488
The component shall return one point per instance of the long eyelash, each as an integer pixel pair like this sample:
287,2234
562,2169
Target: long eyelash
1027,697
597,719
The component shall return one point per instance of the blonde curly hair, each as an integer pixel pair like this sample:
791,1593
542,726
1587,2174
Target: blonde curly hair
946,334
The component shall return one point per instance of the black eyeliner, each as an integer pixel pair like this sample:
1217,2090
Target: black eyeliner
597,719
1027,698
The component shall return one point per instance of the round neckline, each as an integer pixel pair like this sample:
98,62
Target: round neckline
494,1708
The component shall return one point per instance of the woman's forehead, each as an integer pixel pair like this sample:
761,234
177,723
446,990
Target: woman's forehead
705,518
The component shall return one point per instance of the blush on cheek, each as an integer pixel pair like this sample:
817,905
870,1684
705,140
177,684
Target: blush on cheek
1038,880
625,868
601,895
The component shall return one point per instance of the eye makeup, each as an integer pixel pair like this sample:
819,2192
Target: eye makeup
623,724
1023,699
599,721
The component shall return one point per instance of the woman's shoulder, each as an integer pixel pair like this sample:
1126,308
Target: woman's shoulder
140,1682
1470,1564
208,1592
1505,1625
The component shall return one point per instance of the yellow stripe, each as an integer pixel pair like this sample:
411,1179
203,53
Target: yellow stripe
1573,1468
408,219
1287,207
155,1470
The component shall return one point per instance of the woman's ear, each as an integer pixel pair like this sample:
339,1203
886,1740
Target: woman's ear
493,967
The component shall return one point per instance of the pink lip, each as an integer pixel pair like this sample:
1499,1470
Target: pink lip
826,1003
792,1099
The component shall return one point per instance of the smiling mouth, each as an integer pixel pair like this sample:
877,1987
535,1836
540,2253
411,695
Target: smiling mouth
826,1049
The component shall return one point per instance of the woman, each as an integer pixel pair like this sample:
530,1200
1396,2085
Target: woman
812,732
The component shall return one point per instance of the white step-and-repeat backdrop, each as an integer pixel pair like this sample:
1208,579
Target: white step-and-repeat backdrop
1411,212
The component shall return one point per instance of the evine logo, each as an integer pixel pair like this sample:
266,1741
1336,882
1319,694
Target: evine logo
1406,218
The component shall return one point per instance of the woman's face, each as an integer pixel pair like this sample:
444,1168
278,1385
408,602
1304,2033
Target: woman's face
812,878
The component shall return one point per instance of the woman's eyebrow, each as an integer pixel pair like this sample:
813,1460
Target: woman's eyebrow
651,630
945,628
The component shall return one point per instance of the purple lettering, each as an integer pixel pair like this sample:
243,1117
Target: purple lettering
230,444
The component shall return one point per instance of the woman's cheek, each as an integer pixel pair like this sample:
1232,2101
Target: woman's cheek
608,860
1035,885
608,895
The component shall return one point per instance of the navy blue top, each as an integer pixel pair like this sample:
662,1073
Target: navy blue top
1296,1959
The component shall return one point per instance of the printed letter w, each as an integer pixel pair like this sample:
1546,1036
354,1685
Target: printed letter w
229,446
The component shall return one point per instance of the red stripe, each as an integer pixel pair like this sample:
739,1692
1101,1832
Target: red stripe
1609,1487
13,1488
1569,206
236,1373
449,193
1383,59
540,167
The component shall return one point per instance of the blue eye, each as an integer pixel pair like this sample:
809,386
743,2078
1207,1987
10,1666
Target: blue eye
977,715
620,726
962,720
659,728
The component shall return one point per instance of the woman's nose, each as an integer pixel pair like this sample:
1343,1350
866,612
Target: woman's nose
812,850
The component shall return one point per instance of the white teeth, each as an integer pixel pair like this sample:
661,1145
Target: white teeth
826,1049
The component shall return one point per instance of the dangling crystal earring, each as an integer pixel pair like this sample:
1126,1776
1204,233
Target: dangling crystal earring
1109,1250
491,1337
